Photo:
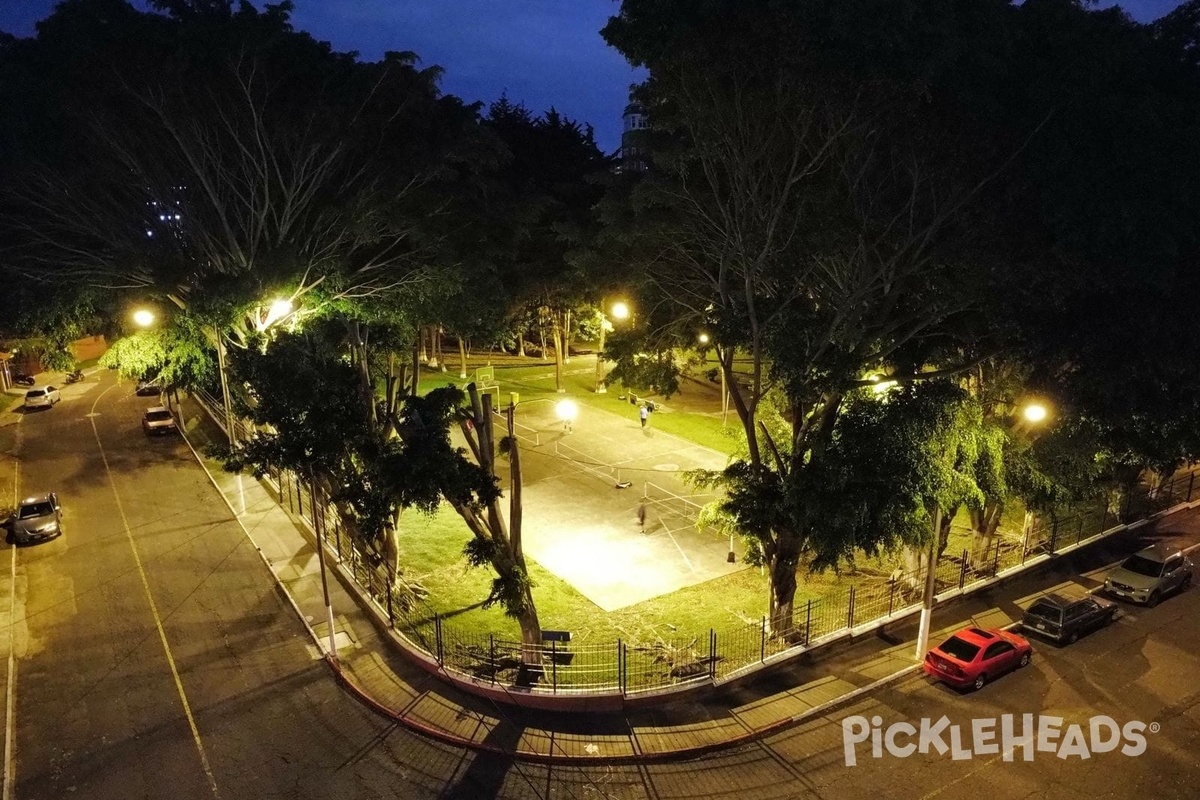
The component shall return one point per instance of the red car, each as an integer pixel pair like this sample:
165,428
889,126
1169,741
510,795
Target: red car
973,656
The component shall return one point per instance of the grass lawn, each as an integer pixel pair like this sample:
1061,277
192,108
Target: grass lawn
431,546
692,414
431,554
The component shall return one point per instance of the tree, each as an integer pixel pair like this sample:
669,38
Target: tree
809,215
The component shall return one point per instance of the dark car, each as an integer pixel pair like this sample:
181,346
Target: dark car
1064,619
149,387
973,656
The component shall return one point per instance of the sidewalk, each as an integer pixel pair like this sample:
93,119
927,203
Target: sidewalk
372,667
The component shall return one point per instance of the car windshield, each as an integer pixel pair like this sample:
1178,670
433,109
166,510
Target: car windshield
959,648
1143,566
36,510
35,393
158,416
1045,610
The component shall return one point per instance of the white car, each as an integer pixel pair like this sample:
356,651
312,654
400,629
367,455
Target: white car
44,397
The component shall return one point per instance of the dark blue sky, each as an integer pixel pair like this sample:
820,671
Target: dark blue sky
542,52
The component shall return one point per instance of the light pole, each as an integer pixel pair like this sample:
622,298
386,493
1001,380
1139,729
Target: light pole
704,340
1034,413
619,311
145,318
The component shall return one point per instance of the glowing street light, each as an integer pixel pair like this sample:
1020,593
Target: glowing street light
1035,412
567,411
703,338
276,311
619,311
143,317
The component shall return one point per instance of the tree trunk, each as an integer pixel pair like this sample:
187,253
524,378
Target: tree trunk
521,344
557,332
462,358
984,524
435,346
421,344
567,333
783,565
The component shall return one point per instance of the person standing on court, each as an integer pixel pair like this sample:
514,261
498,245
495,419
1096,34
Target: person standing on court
643,414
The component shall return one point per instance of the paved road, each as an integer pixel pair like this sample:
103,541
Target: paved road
153,658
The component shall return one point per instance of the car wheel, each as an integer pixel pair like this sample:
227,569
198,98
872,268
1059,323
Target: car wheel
1024,662
8,537
1187,582
1152,600
979,681
1072,639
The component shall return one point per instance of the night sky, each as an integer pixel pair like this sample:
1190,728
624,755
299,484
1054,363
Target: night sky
543,53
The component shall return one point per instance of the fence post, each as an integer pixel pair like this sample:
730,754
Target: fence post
891,595
1053,535
554,666
808,622
1191,479
1079,533
492,655
625,667
962,572
712,654
996,563
390,609
437,635
1128,502
850,610
620,669
762,650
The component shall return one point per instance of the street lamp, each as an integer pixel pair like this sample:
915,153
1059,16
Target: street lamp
144,318
566,410
704,339
619,311
1035,412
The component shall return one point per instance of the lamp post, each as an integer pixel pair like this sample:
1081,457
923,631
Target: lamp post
619,311
704,340
1033,413
145,318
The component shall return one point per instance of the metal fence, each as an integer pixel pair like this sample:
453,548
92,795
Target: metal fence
628,666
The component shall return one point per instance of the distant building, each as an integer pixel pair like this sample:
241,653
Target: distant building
635,154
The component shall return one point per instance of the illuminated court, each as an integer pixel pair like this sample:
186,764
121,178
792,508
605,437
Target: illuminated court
581,526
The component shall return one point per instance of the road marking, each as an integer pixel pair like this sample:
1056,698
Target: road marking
10,714
162,634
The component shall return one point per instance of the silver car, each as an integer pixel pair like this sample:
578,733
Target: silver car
44,397
36,519
1148,575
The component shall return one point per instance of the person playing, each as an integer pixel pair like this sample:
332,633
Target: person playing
643,414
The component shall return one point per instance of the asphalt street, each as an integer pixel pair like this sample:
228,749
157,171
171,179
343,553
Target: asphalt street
147,654
151,654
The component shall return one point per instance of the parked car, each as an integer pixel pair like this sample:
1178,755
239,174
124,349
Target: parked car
1064,619
158,420
974,656
43,397
148,387
1148,575
36,519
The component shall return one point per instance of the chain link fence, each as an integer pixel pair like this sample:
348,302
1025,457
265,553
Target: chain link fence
572,666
